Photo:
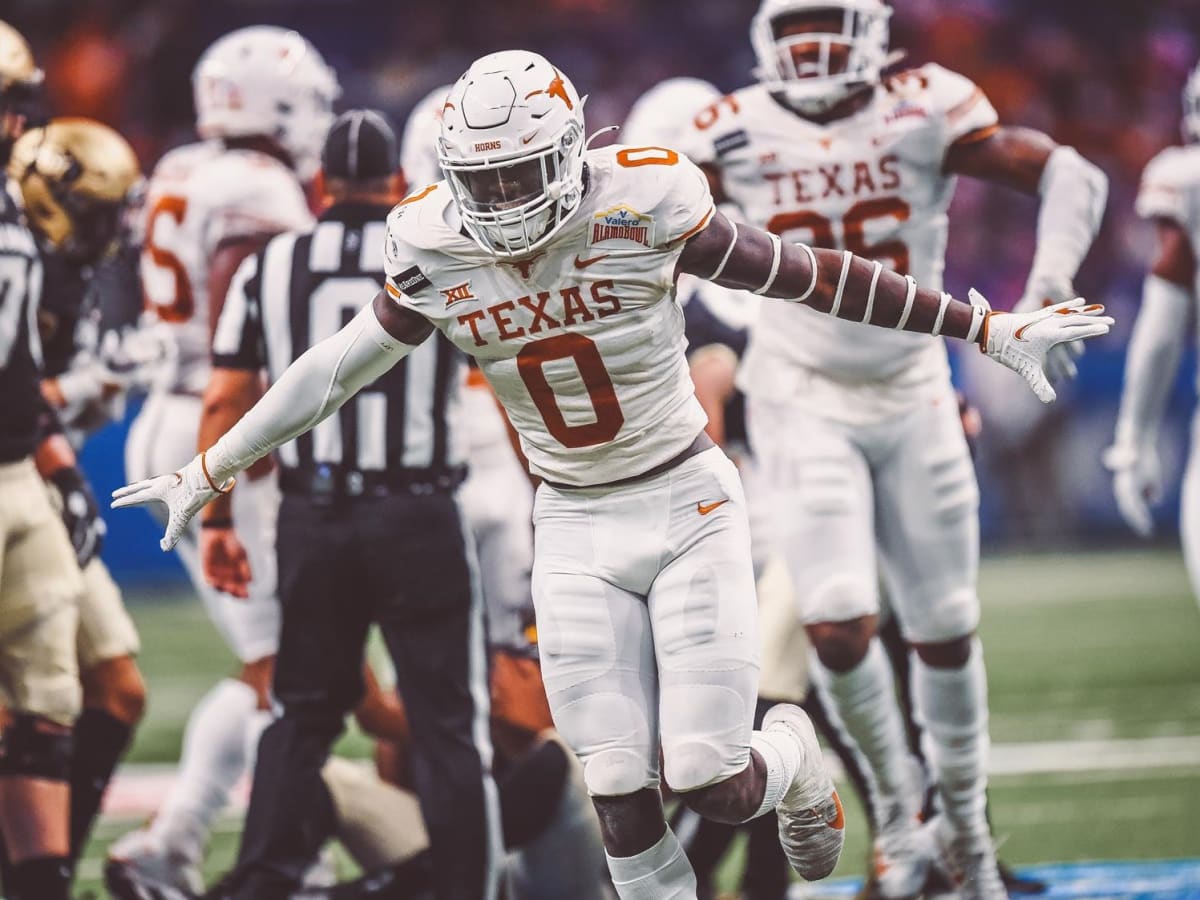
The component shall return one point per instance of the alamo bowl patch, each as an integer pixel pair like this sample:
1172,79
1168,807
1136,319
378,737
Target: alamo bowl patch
622,226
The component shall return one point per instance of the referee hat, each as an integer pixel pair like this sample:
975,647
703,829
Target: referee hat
360,146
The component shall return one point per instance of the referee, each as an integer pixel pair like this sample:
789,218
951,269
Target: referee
369,532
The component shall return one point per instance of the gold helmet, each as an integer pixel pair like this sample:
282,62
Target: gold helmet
20,82
76,176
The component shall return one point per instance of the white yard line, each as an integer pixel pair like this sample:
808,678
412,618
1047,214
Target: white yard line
138,789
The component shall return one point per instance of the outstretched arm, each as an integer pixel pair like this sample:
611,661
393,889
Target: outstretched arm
312,389
1073,194
850,287
1153,358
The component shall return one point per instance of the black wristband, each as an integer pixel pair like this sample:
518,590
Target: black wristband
224,522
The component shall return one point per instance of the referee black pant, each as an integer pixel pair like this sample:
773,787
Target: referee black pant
400,561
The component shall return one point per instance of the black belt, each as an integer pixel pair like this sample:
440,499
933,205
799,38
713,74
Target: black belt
699,445
328,484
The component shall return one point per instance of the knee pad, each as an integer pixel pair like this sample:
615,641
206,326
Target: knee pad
35,748
949,615
617,772
839,598
691,765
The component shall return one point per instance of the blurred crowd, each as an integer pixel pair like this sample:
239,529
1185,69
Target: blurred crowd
1102,75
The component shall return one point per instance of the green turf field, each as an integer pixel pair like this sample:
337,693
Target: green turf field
1087,656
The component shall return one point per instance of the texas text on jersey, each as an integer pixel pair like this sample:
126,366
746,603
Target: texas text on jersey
871,183
595,306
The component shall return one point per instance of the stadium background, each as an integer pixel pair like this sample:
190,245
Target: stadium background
1091,638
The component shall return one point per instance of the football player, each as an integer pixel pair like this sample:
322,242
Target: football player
859,433
554,265
1170,197
75,178
264,103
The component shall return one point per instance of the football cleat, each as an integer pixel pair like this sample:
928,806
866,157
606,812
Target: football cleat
812,826
971,865
904,848
141,866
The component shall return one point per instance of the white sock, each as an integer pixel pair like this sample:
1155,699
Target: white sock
954,705
782,756
259,720
213,759
660,873
866,703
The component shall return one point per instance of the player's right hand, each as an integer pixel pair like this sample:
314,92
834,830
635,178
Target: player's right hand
1023,341
1043,292
1137,484
183,493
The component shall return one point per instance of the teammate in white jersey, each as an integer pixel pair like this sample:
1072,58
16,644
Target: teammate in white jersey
554,266
1170,196
859,431
264,103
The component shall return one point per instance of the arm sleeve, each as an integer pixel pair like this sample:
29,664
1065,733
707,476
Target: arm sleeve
1074,193
1153,359
313,388
238,340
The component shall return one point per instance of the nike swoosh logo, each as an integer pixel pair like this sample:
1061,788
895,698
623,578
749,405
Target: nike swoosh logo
584,263
1021,331
705,508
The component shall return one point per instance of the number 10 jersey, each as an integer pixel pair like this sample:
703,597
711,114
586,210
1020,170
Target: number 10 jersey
582,341
872,183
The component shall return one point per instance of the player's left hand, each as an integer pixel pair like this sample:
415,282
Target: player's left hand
1022,341
223,557
1040,293
183,493
1137,484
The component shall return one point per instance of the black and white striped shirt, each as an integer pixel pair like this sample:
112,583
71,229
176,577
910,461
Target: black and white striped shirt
302,288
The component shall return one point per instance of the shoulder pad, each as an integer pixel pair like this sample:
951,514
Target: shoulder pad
649,198
1166,182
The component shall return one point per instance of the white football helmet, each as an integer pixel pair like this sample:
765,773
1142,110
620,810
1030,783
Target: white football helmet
1191,106
512,148
817,85
419,145
664,112
269,81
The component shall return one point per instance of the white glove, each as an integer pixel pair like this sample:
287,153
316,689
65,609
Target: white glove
1137,484
1040,293
146,356
1022,341
184,493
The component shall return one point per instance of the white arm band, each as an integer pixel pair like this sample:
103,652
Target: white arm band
812,261
847,258
777,248
937,323
1153,359
309,391
871,293
1073,193
728,253
908,302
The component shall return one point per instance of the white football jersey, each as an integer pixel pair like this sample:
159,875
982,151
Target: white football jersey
199,196
872,183
582,342
1170,189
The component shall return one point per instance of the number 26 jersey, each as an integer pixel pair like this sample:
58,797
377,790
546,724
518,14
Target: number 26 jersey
582,341
872,183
